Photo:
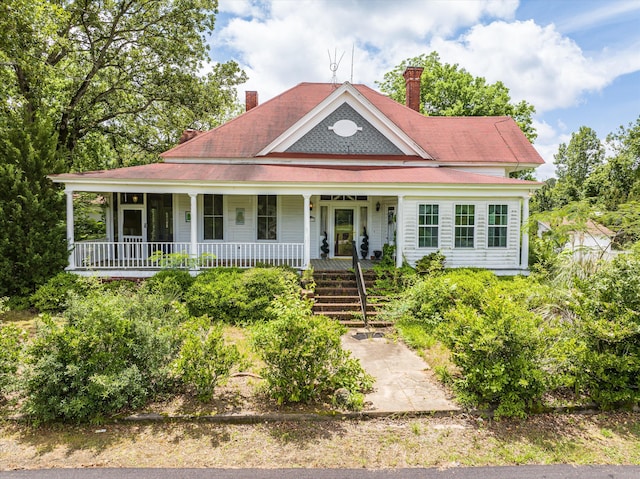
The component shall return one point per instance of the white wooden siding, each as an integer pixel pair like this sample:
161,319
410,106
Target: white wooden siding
290,217
480,255
182,204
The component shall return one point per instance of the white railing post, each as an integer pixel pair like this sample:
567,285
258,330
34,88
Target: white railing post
399,231
194,225
307,231
70,227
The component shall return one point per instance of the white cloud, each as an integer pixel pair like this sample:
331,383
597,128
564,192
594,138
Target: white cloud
598,16
286,42
536,63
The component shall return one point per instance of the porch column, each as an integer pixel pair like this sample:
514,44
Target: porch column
307,231
399,231
108,217
194,224
524,258
70,238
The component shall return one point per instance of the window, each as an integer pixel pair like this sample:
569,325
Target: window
497,233
428,226
465,226
213,217
267,217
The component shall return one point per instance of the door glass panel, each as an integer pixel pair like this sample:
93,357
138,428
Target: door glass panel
132,223
343,228
160,217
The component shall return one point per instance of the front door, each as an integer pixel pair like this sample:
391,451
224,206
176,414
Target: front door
133,231
343,231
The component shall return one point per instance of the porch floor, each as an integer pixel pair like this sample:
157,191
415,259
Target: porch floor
338,264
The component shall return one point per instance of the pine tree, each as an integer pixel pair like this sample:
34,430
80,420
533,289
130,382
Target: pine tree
32,231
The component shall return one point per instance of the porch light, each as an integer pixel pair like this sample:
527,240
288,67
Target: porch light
311,205
378,206
134,198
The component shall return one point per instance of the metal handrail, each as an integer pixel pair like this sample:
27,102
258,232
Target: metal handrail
362,289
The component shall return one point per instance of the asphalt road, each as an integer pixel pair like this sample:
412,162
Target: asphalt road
509,472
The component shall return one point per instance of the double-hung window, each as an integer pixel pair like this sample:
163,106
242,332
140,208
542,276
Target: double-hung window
465,226
428,221
213,217
497,226
267,217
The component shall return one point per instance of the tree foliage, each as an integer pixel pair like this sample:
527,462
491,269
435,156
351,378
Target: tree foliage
449,90
32,237
118,78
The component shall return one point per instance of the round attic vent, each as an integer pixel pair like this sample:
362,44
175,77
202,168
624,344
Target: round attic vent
345,128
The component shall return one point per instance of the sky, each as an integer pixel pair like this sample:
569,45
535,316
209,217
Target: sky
576,61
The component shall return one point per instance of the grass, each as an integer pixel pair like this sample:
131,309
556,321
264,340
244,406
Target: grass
380,443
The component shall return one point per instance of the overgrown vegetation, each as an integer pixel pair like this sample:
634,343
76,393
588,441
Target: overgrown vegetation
570,338
114,346
304,360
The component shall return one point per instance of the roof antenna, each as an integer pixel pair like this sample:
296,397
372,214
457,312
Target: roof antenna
353,47
333,66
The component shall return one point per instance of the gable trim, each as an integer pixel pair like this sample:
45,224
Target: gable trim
346,93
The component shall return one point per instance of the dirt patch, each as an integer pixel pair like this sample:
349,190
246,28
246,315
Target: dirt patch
380,443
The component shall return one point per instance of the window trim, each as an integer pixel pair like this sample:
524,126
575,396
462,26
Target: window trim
276,216
473,226
436,226
223,216
504,226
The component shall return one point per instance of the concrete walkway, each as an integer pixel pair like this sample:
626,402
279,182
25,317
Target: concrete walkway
402,385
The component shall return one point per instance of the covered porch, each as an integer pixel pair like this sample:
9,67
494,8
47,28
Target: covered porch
149,231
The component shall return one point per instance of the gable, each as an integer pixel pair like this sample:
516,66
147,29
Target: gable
359,138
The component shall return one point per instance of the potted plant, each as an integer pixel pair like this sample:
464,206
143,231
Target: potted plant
324,247
364,247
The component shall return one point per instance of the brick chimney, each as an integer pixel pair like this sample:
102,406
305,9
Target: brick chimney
251,100
188,135
412,82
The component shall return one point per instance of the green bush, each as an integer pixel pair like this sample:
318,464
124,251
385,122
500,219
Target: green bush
239,297
304,360
216,293
53,295
609,330
497,351
12,340
431,297
433,263
171,282
204,359
110,353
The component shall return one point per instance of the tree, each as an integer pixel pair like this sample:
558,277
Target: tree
575,162
117,78
448,90
32,237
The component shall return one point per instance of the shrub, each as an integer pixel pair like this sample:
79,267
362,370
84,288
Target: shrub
497,351
609,330
110,353
216,293
12,340
53,295
204,359
433,263
304,360
239,297
173,283
431,297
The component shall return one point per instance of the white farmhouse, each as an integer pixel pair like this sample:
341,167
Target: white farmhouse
319,158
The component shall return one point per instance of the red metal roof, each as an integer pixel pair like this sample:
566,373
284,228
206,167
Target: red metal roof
230,173
483,140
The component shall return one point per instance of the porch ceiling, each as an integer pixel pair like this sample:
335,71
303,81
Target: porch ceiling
199,173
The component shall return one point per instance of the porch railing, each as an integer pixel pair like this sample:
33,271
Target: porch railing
129,254
249,255
362,289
